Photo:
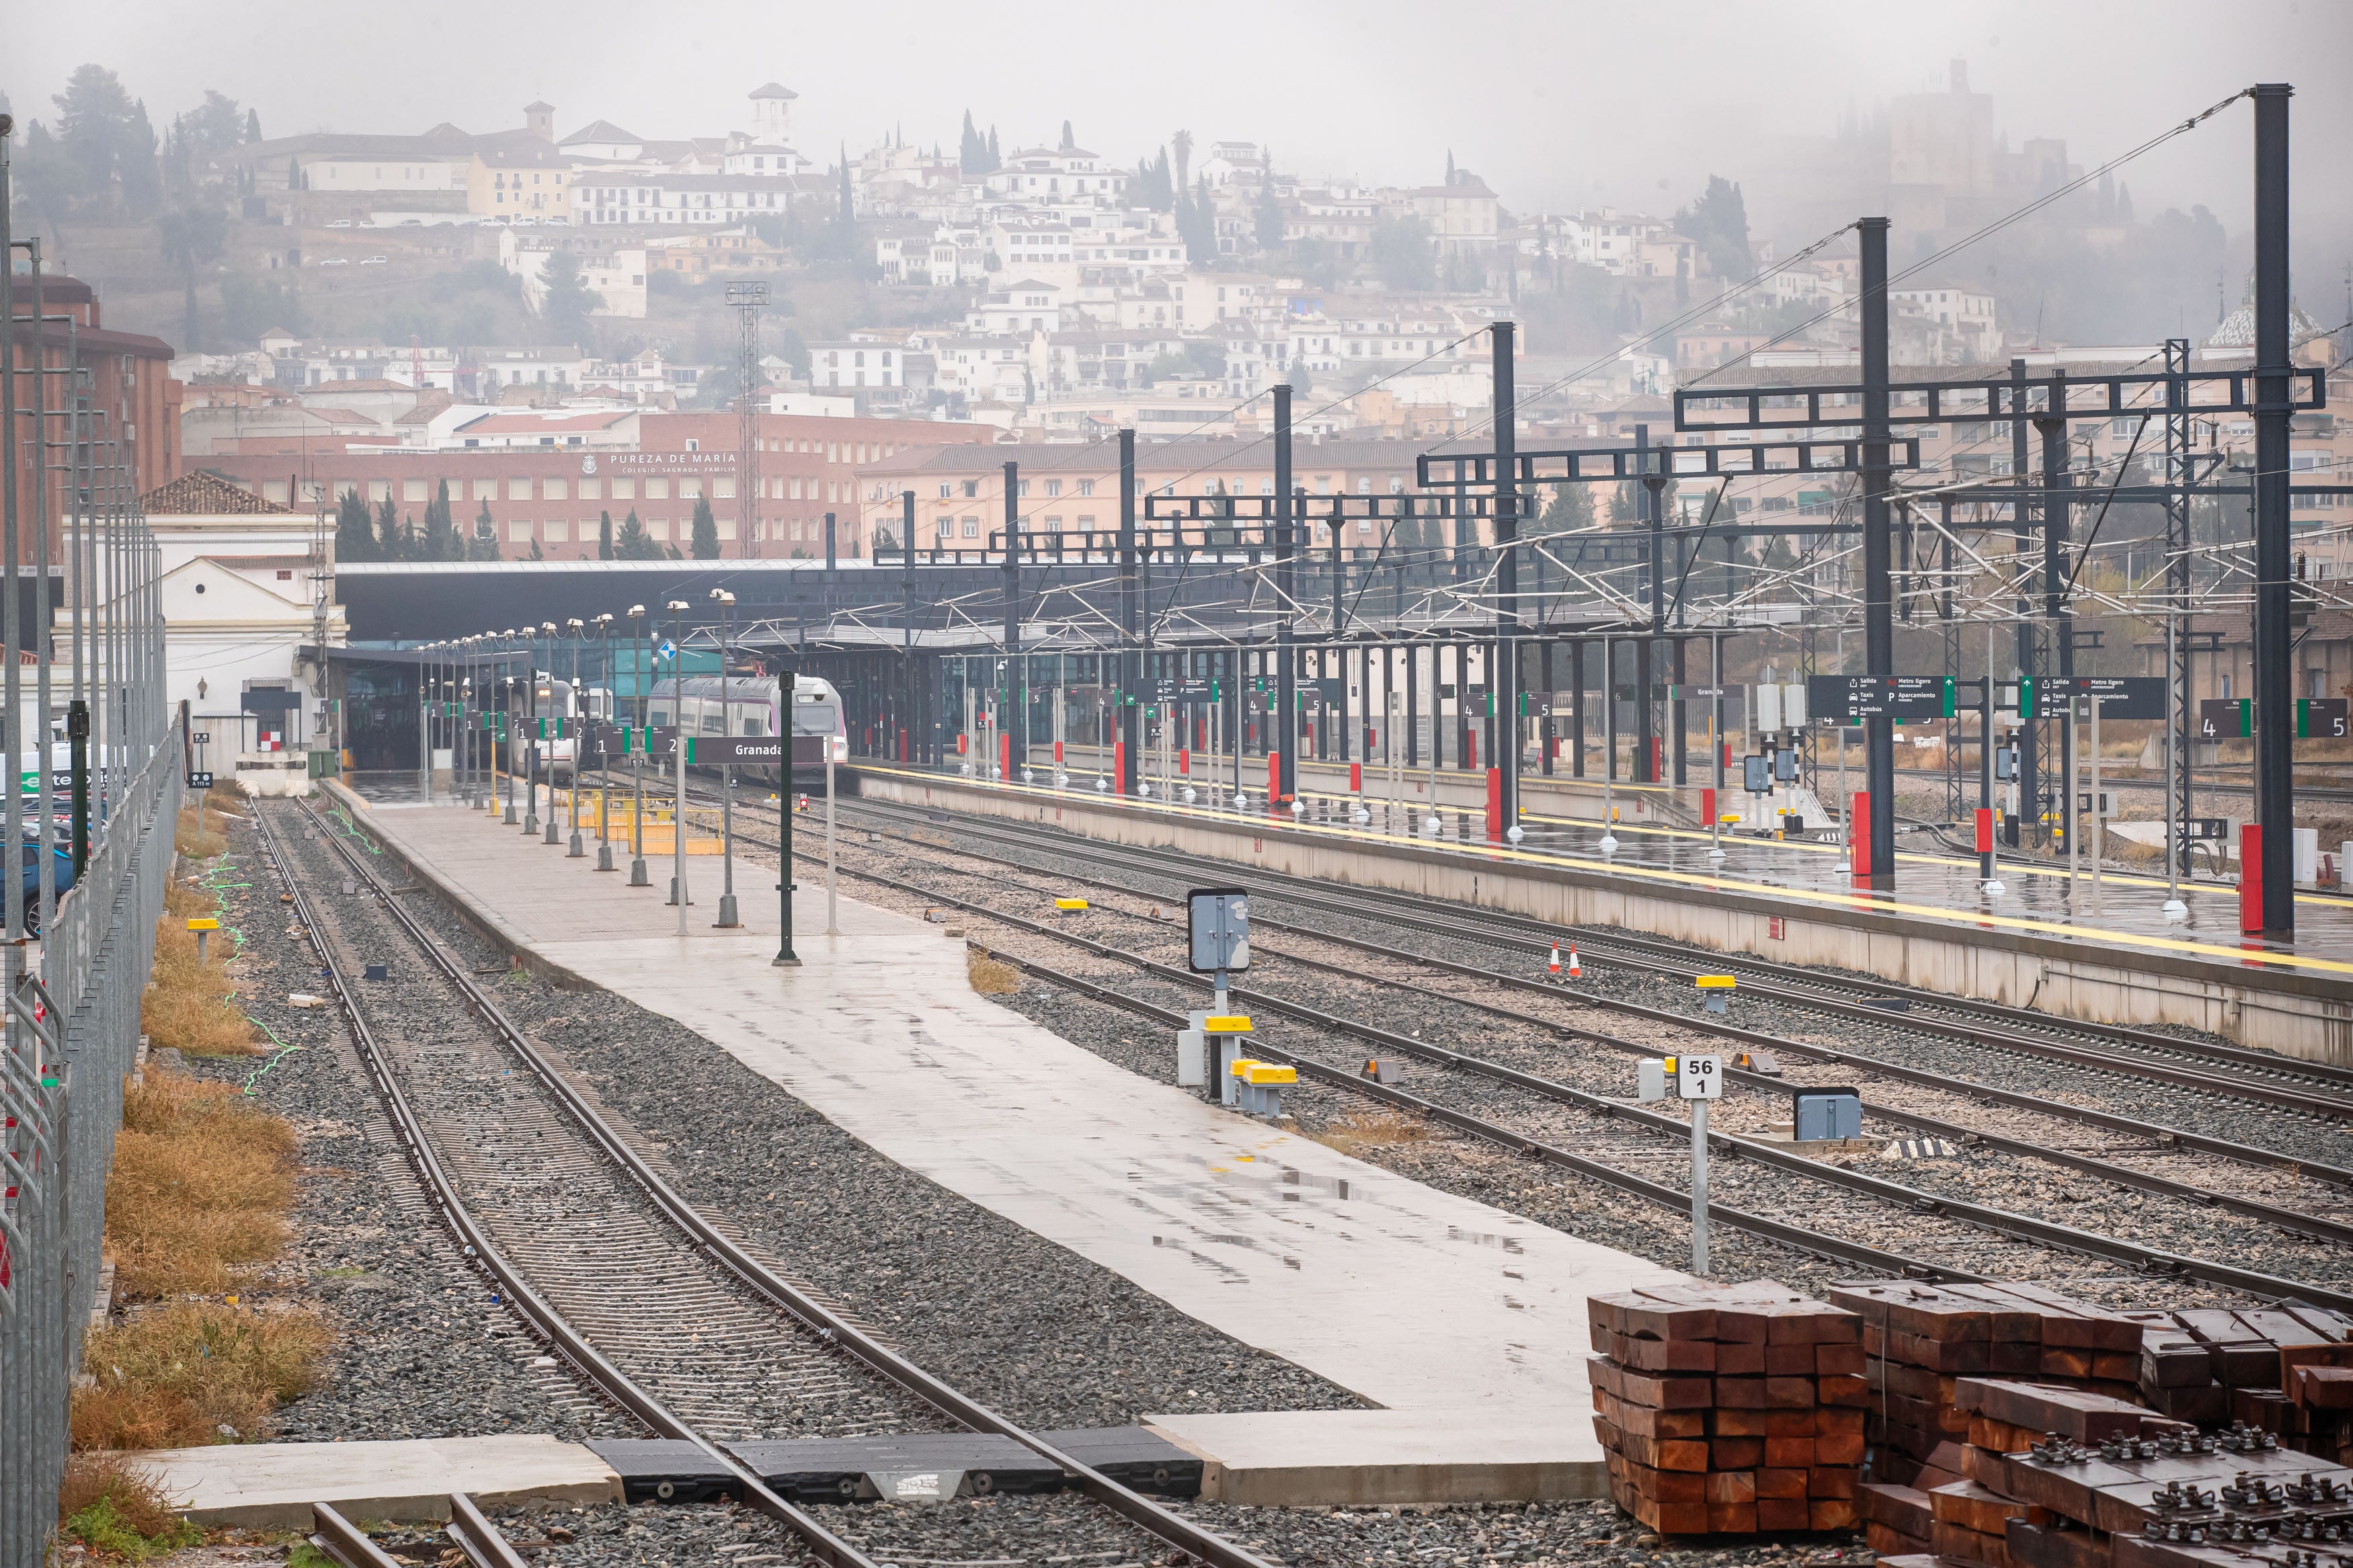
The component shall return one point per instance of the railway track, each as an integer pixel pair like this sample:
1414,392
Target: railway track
500,1140
2304,1088
1524,1111
2155,1134
1545,1003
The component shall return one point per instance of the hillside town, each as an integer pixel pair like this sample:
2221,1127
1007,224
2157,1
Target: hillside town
373,314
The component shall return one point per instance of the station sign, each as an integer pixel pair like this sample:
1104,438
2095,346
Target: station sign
2055,696
1906,699
2233,718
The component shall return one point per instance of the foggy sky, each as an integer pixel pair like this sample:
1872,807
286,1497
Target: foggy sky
1557,105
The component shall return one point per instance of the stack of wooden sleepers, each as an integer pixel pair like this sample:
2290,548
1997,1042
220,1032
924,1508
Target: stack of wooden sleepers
2288,1371
1729,1409
1920,1341
2061,1478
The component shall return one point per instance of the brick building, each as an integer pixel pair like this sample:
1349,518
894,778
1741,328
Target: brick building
554,494
129,380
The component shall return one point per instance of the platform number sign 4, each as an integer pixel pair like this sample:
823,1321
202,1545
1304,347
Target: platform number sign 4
1699,1078
1220,929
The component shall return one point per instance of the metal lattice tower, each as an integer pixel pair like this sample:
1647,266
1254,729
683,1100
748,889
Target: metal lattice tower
749,301
2179,432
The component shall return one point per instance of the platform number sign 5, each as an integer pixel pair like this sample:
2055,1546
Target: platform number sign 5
1699,1078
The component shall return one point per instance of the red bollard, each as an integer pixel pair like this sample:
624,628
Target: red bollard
1707,805
1858,833
1119,767
1057,753
1273,780
1494,806
1985,844
1005,756
1356,778
2251,879
1471,754
1184,761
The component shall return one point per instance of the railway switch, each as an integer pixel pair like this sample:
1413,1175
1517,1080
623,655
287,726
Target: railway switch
1258,1087
1716,989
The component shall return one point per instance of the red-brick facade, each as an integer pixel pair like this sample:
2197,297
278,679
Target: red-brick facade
555,495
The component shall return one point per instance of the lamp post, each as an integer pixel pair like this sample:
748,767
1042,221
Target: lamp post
785,956
726,921
577,850
604,775
638,878
677,890
547,629
506,714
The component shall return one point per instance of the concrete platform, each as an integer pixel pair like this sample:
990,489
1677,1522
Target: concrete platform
2107,959
271,1486
1464,1322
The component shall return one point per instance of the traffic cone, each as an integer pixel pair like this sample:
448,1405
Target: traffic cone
1576,970
1554,967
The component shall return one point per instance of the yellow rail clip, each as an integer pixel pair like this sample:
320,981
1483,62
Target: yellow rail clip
1070,906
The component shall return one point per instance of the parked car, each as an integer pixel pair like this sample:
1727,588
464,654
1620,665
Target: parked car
340,223
412,222
371,261
62,852
336,261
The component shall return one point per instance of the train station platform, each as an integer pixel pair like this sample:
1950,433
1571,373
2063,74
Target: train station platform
2074,948
1465,1324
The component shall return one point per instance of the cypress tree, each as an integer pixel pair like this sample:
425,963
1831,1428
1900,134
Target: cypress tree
604,536
706,530
355,531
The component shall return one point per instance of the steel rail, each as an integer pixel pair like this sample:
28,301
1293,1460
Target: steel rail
2004,1222
478,1538
1135,1507
346,1543
2244,1154
611,1380
1800,985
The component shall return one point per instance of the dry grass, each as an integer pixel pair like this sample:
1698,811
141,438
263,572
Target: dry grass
173,1377
1362,1130
201,1185
199,840
118,1509
990,976
186,1005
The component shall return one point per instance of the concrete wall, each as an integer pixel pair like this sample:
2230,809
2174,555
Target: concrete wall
2297,1014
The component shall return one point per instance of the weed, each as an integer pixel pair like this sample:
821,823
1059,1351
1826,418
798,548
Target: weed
305,1555
1362,1130
188,1002
201,1183
199,837
177,1375
115,1506
990,976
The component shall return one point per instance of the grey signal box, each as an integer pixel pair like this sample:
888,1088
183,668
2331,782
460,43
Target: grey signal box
1220,929
1819,1113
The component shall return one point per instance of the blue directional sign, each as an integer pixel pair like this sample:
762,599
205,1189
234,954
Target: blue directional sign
666,649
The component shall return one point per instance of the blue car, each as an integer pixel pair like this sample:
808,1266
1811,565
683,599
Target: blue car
31,851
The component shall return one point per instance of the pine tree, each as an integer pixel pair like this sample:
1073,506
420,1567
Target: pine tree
485,546
355,530
633,543
390,539
604,536
536,554
569,301
436,526
1268,218
706,530
971,153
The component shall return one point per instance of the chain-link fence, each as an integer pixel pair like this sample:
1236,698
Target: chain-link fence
90,798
